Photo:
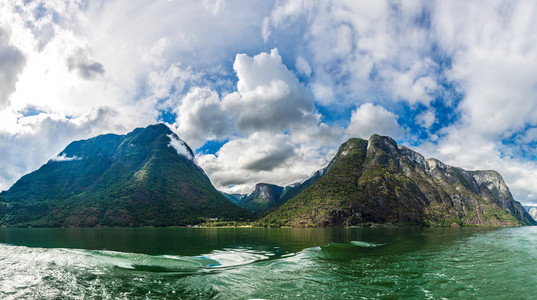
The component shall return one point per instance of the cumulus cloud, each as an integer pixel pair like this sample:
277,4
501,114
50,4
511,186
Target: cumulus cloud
12,61
303,66
169,83
266,157
495,64
414,85
262,157
269,96
200,117
369,119
359,49
87,68
426,118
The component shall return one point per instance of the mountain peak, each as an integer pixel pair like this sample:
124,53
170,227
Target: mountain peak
159,128
385,143
377,181
144,178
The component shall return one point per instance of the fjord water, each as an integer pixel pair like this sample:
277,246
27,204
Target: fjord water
258,263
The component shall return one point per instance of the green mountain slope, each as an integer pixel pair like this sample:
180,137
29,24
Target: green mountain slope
377,181
294,190
138,179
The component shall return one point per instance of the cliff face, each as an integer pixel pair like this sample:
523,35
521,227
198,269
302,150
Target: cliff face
264,197
377,181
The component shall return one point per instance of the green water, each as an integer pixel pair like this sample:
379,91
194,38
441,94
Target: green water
256,263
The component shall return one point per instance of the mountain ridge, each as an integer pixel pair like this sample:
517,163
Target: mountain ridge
376,181
149,177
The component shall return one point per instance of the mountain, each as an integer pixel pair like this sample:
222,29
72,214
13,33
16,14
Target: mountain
294,190
266,196
234,198
532,211
145,178
376,181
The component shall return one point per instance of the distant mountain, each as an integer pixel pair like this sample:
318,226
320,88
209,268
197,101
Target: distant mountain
376,181
532,211
234,198
266,197
294,190
145,178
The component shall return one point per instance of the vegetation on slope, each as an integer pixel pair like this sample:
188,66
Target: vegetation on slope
114,180
378,182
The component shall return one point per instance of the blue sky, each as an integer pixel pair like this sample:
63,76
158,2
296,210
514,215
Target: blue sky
266,91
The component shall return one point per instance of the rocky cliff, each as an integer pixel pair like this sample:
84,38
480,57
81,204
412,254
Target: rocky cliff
264,197
376,181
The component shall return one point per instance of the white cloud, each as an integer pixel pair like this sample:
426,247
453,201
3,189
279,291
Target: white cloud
426,119
529,136
269,96
200,117
369,119
86,67
62,157
262,157
415,85
213,6
303,66
12,61
170,84
180,147
361,49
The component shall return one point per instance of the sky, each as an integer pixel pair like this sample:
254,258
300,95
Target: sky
266,91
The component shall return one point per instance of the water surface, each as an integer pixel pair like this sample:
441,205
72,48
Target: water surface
258,263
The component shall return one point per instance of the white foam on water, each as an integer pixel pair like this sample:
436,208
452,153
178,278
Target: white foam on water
25,271
366,244
231,257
